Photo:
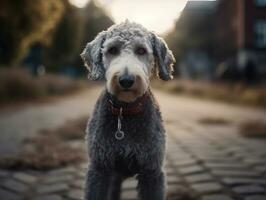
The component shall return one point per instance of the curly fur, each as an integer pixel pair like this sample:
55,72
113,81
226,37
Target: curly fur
142,150
92,54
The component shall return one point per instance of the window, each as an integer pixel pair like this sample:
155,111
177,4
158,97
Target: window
260,2
260,33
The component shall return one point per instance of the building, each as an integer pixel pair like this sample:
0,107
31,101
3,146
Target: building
241,35
196,26
224,39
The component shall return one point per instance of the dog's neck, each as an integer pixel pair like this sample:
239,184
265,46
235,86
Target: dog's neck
117,107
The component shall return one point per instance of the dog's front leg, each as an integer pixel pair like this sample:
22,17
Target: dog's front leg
97,184
151,185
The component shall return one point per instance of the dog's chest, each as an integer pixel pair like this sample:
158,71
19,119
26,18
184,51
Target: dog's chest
128,166
136,131
143,140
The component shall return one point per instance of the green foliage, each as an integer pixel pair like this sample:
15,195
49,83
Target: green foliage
59,27
66,41
75,29
18,85
96,20
23,23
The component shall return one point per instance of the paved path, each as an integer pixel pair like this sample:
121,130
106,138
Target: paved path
212,162
27,121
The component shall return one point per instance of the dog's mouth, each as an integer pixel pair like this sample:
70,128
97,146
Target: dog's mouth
127,94
127,90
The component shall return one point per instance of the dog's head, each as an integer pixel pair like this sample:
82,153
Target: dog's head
126,55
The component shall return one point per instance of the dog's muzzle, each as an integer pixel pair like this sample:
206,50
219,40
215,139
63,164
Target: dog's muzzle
126,81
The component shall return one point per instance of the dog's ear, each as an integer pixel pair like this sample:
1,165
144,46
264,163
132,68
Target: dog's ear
164,58
92,57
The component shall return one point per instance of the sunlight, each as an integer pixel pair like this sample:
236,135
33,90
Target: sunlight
79,3
156,15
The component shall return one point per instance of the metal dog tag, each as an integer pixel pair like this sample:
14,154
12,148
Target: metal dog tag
119,134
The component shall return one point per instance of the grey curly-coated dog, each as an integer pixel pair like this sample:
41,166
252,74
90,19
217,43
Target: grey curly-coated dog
125,134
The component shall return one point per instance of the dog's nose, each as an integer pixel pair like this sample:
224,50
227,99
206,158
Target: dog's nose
126,81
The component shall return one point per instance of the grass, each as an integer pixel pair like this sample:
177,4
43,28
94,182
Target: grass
51,148
72,130
214,121
18,85
253,129
239,93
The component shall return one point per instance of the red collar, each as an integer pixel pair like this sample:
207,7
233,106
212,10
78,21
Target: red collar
128,109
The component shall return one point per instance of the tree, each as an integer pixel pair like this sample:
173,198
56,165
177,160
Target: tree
95,20
66,42
75,29
24,22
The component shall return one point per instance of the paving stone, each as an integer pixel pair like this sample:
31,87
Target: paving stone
168,166
179,192
48,197
81,174
75,194
129,184
184,163
217,197
129,195
217,160
191,154
7,195
63,171
173,179
207,153
191,170
84,166
80,183
57,178
254,161
249,189
261,169
15,186
170,171
256,197
205,188
229,166
59,187
198,178
241,181
4,173
25,178
171,188
235,173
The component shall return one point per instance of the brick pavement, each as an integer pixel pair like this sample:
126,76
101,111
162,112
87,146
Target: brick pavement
209,162
212,165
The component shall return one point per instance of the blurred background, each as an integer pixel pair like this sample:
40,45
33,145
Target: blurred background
213,41
214,108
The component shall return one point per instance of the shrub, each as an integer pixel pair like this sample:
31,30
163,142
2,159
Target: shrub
253,129
232,93
58,84
19,84
214,121
51,148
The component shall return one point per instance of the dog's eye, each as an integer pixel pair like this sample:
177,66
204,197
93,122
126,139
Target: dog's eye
141,51
113,51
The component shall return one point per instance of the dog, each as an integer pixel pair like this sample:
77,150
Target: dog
125,134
